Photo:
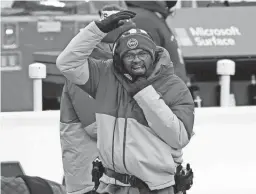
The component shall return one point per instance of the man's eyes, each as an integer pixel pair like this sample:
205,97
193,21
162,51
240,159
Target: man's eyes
143,53
129,56
133,55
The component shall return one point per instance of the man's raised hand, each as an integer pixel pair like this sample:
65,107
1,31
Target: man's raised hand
114,21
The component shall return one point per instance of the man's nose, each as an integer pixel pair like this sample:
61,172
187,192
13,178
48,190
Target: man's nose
136,58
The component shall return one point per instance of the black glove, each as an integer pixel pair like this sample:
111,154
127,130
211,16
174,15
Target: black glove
114,21
136,86
183,179
114,34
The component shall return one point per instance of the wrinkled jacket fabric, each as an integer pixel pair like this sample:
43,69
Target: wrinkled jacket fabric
147,19
141,136
79,149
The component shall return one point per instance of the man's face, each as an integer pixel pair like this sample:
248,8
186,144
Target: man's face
137,62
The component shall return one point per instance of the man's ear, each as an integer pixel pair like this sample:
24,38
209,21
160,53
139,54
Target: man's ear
100,13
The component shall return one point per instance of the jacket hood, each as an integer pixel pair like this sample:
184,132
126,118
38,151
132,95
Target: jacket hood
111,36
102,51
163,64
155,6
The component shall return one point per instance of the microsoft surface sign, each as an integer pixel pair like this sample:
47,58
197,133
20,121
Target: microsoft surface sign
208,36
211,32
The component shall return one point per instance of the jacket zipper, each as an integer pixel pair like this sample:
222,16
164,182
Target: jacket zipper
124,142
125,132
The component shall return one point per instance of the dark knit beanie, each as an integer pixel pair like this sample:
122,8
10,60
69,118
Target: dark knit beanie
134,39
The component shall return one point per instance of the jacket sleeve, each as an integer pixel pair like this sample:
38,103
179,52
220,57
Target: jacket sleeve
74,61
169,42
78,149
173,123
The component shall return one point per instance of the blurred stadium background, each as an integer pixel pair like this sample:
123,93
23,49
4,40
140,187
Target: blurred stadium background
36,31
207,31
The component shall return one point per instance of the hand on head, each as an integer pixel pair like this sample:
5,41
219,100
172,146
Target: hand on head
115,21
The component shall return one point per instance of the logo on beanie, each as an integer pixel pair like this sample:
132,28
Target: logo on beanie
132,43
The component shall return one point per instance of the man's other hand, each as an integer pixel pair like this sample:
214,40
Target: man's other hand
138,85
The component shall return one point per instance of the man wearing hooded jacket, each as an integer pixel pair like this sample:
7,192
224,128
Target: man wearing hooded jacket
151,16
145,114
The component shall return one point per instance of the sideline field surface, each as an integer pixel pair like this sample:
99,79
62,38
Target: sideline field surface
222,151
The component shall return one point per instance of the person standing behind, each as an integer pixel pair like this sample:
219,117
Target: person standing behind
151,16
77,120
